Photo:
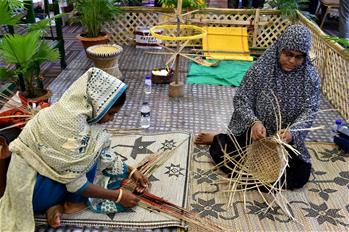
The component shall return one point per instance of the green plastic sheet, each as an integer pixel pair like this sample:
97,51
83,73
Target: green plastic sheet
227,73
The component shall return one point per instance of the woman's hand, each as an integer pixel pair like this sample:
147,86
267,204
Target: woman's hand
128,199
285,135
258,131
142,181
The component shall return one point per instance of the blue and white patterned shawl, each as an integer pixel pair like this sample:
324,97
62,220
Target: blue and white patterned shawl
297,92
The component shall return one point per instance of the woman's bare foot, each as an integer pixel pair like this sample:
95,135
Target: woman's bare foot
72,207
54,215
205,138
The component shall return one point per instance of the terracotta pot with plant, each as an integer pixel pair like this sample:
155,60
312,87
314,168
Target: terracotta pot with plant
23,55
92,14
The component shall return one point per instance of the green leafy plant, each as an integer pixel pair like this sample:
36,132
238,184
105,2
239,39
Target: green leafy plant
342,41
6,12
15,4
288,8
92,14
186,3
23,54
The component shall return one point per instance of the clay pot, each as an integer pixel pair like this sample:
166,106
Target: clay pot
38,100
90,41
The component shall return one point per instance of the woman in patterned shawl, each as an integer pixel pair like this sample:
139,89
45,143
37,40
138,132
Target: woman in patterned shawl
284,71
55,158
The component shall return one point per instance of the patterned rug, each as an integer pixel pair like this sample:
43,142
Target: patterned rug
169,181
322,205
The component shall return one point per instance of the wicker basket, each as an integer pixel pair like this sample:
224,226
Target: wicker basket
106,57
162,79
265,160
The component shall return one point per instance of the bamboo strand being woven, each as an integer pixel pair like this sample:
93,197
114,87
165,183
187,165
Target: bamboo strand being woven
151,201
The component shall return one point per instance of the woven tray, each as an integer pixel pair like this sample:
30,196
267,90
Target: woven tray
162,79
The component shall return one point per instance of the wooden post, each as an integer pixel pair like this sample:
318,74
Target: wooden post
176,88
28,4
59,32
255,29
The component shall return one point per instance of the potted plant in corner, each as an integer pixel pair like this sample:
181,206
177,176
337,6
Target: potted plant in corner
92,14
22,56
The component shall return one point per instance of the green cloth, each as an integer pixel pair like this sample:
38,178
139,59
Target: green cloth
228,73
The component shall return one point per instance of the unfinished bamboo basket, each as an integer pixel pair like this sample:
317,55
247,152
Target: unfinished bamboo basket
265,160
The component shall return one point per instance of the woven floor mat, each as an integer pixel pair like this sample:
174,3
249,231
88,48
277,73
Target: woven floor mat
169,181
322,205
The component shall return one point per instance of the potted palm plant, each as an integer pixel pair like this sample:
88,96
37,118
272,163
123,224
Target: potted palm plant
23,55
92,14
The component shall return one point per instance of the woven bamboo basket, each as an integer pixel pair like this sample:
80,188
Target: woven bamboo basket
106,57
156,79
265,160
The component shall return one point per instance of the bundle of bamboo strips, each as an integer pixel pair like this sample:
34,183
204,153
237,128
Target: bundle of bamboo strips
14,112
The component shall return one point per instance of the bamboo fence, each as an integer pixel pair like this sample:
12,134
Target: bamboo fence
263,27
332,63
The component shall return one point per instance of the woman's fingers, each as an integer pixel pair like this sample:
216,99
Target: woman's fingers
263,132
258,132
142,181
129,199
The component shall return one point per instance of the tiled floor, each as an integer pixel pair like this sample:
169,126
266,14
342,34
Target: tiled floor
203,107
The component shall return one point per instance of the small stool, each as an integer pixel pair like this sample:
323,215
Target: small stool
330,5
106,57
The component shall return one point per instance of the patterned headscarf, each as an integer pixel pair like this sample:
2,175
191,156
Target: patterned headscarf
63,141
297,91
296,38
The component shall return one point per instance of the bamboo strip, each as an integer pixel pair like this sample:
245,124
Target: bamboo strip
255,28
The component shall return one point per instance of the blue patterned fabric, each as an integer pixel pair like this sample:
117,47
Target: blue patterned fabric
112,176
103,91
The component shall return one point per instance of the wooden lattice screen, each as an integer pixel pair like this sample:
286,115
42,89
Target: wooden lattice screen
263,26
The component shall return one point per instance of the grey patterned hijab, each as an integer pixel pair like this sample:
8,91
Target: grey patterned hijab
295,38
297,91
